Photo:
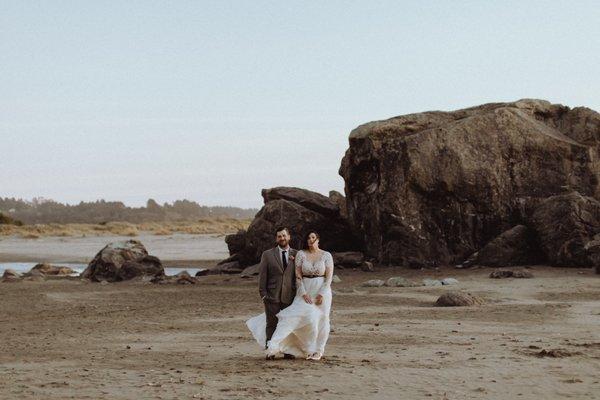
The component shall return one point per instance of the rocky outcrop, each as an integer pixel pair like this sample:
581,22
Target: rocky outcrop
120,261
300,210
435,187
565,224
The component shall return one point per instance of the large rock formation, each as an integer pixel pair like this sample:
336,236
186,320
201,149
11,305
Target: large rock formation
435,187
121,261
298,209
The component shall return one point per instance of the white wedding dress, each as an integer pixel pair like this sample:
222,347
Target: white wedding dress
302,328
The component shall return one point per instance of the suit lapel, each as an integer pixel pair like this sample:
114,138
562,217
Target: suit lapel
276,255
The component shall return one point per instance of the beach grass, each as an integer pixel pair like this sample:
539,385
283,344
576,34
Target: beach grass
217,225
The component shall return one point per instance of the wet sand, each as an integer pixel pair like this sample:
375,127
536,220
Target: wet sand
535,338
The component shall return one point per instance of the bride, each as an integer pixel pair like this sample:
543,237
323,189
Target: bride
303,327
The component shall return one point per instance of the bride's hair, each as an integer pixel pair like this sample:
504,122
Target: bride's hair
305,243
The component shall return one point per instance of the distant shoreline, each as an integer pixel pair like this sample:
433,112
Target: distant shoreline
174,250
202,226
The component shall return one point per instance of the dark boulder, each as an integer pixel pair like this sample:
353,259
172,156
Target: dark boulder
131,254
435,187
300,210
565,224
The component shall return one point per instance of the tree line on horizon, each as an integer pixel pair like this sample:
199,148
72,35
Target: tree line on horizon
44,211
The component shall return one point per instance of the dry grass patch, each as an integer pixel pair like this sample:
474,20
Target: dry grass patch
203,226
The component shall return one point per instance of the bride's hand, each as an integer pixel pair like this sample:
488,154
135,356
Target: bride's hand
307,298
318,300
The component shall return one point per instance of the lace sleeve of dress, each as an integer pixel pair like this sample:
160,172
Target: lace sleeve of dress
299,285
328,274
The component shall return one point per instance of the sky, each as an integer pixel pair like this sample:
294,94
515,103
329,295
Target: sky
212,101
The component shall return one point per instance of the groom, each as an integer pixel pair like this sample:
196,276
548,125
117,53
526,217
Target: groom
277,281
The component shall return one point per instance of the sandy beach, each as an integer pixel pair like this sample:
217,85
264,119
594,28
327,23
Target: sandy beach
535,338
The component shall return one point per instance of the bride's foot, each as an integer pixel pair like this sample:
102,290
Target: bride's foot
314,356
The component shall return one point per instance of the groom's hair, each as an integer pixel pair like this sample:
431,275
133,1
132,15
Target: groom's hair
282,228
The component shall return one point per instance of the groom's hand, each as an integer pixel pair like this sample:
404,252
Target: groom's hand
318,300
307,298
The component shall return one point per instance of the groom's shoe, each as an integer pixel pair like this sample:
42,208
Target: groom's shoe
289,356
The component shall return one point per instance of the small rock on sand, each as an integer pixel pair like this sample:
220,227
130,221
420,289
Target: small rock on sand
449,281
10,275
367,266
504,273
458,299
373,283
398,281
431,282
555,353
184,277
48,269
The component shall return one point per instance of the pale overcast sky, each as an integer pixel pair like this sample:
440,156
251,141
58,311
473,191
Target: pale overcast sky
212,101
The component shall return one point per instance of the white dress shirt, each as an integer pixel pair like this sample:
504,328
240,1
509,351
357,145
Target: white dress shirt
287,254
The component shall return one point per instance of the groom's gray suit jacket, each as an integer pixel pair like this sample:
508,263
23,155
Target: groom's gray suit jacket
275,284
